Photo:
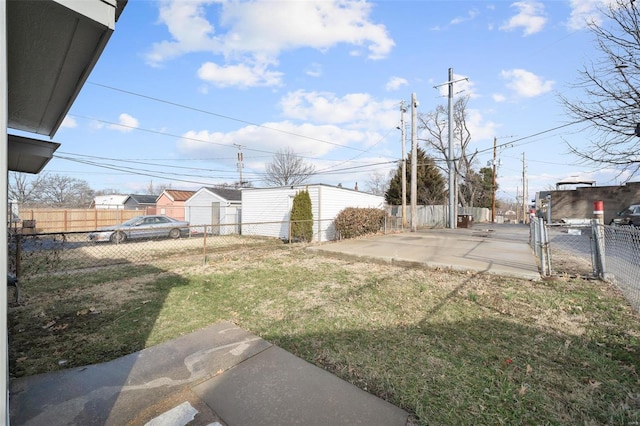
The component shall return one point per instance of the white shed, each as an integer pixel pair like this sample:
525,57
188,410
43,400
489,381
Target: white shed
109,202
266,211
216,207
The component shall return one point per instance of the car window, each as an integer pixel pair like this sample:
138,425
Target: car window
163,220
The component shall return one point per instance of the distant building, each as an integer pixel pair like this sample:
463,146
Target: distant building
141,202
557,206
171,203
109,202
216,207
266,211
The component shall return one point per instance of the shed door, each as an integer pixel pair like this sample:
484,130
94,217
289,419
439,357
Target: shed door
215,218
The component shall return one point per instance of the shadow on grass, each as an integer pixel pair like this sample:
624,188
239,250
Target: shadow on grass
485,371
82,318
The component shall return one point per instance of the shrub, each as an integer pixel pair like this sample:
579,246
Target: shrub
354,222
302,217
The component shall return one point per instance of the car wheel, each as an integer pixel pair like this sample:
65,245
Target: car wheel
174,233
118,237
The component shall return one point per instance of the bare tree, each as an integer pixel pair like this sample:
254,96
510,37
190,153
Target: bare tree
287,168
64,191
612,88
436,126
25,189
378,182
157,188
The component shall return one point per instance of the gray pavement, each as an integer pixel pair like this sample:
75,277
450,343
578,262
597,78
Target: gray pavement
219,375
501,249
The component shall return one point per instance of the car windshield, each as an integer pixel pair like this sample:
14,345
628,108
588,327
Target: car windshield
130,222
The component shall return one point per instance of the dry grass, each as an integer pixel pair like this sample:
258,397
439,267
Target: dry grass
451,348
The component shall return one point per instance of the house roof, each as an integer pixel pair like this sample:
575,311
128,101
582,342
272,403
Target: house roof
177,195
309,185
112,199
52,47
226,193
143,198
575,180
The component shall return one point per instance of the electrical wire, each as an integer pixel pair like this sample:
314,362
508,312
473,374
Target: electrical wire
226,117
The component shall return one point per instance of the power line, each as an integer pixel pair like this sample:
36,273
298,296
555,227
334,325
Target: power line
226,117
156,132
57,155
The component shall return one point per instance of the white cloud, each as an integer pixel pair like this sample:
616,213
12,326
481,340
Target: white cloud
480,128
270,27
272,136
355,110
126,123
314,124
499,97
69,122
525,83
585,11
314,70
471,14
191,31
240,75
258,31
395,83
530,17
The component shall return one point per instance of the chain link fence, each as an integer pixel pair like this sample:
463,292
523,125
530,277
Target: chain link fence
76,252
590,249
622,260
69,252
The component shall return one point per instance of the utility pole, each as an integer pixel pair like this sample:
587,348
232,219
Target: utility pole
414,163
493,191
524,190
403,109
452,185
240,165
517,207
450,163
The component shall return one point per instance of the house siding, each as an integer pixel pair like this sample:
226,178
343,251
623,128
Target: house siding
199,211
171,203
109,202
266,211
168,207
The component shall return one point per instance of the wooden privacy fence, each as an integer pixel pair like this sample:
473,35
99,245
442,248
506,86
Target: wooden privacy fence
69,220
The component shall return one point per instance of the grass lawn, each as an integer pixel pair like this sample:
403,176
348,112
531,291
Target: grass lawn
448,347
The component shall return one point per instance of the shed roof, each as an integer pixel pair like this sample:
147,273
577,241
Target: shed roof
228,194
143,198
177,195
111,199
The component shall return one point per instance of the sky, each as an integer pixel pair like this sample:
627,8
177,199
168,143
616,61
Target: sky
183,86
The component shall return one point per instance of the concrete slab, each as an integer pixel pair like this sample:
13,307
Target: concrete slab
494,249
277,388
135,388
218,375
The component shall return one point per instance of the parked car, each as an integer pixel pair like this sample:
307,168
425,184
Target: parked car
151,226
629,216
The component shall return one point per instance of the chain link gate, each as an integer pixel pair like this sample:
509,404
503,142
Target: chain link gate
589,249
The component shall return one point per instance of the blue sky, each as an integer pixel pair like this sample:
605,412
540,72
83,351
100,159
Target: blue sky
182,83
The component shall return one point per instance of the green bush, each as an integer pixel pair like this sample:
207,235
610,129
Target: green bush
302,217
354,222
